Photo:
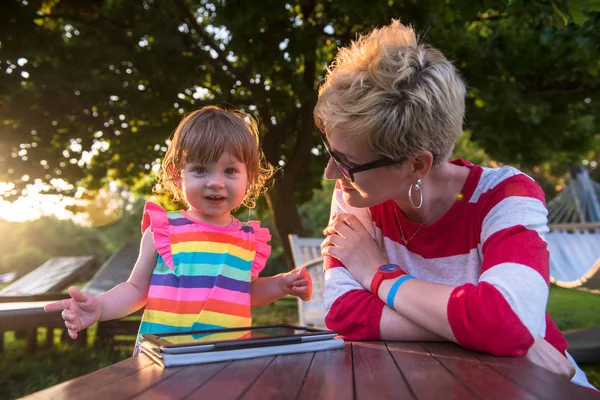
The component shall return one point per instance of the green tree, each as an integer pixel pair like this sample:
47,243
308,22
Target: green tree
89,90
26,245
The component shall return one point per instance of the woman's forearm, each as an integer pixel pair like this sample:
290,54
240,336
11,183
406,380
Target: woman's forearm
423,303
394,326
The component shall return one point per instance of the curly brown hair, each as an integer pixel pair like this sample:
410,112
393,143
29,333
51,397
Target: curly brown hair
202,136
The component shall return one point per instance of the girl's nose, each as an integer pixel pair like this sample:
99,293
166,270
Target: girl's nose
215,182
332,172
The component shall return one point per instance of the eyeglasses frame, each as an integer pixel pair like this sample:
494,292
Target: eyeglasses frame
349,171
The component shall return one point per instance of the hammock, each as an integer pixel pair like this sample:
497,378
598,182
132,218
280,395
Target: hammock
574,237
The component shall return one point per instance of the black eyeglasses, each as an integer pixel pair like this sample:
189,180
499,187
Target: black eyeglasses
349,171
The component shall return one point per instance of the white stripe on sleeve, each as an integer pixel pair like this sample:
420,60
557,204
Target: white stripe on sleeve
525,291
338,281
515,210
492,177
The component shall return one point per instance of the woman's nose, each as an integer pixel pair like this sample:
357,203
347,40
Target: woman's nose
332,172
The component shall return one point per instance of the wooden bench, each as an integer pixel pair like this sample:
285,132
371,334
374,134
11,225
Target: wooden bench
118,333
22,302
54,275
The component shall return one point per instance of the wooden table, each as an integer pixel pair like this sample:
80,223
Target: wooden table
362,370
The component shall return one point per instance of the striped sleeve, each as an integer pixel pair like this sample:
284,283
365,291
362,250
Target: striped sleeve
505,310
352,311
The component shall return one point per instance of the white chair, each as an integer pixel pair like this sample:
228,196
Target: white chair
304,249
307,253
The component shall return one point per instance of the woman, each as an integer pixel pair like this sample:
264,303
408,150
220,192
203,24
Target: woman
461,247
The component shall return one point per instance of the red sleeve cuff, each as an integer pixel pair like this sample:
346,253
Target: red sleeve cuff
356,315
482,320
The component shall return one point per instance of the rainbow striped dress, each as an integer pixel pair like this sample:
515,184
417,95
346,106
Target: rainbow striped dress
203,272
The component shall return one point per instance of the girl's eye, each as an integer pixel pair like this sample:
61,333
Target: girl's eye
230,171
200,170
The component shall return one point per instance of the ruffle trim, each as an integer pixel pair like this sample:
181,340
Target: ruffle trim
155,218
263,250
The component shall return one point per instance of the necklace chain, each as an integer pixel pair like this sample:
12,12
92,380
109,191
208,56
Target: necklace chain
404,240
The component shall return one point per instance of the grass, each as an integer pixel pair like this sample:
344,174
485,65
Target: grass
284,311
21,374
572,309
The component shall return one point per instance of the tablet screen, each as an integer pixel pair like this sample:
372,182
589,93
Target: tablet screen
244,334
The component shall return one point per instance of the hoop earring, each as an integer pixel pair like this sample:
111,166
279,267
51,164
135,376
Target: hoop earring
417,186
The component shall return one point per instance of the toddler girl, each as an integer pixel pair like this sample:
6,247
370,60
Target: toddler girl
198,268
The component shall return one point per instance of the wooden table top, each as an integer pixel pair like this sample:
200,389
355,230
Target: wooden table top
362,370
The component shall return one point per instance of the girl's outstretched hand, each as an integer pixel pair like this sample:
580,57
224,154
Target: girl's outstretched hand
298,283
79,312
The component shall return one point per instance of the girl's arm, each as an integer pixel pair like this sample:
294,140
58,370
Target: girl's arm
82,309
131,295
267,290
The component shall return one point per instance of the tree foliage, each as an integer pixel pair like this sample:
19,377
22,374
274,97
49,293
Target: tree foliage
90,90
27,245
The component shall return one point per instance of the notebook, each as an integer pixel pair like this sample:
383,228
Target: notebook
184,348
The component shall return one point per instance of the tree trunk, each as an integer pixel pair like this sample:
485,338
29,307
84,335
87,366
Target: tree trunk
286,219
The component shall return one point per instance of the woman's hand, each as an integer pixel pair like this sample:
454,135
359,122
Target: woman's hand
348,241
546,356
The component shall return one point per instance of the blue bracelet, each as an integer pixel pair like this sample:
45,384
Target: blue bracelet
394,289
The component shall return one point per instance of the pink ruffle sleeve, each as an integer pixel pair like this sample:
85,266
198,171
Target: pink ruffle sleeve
263,250
155,218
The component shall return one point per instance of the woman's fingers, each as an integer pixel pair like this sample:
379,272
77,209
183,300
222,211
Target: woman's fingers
340,223
331,251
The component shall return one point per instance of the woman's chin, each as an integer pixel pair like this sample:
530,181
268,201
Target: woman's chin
354,199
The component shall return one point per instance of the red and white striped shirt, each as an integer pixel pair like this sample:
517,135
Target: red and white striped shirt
490,245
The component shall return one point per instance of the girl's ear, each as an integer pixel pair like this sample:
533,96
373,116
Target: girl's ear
176,176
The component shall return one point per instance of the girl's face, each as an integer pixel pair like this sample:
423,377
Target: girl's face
370,187
213,190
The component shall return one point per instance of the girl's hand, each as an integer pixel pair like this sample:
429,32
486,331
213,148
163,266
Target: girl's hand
298,283
79,312
348,241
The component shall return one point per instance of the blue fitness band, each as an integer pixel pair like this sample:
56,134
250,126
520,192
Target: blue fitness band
394,289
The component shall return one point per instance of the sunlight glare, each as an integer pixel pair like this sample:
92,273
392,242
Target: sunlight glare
35,204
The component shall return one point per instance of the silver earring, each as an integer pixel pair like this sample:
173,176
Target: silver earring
417,186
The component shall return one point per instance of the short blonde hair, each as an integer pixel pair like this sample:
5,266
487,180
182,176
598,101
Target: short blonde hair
202,136
405,97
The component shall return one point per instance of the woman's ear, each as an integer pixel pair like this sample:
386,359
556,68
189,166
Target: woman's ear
422,163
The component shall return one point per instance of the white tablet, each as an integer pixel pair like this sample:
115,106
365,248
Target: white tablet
232,338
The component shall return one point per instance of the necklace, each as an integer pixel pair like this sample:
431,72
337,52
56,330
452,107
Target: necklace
404,239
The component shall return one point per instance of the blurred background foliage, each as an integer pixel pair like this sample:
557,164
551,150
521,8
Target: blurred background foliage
90,90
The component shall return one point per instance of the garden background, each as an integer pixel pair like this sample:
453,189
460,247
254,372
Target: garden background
91,90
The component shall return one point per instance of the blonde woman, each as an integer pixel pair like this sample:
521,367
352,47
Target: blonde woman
419,247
